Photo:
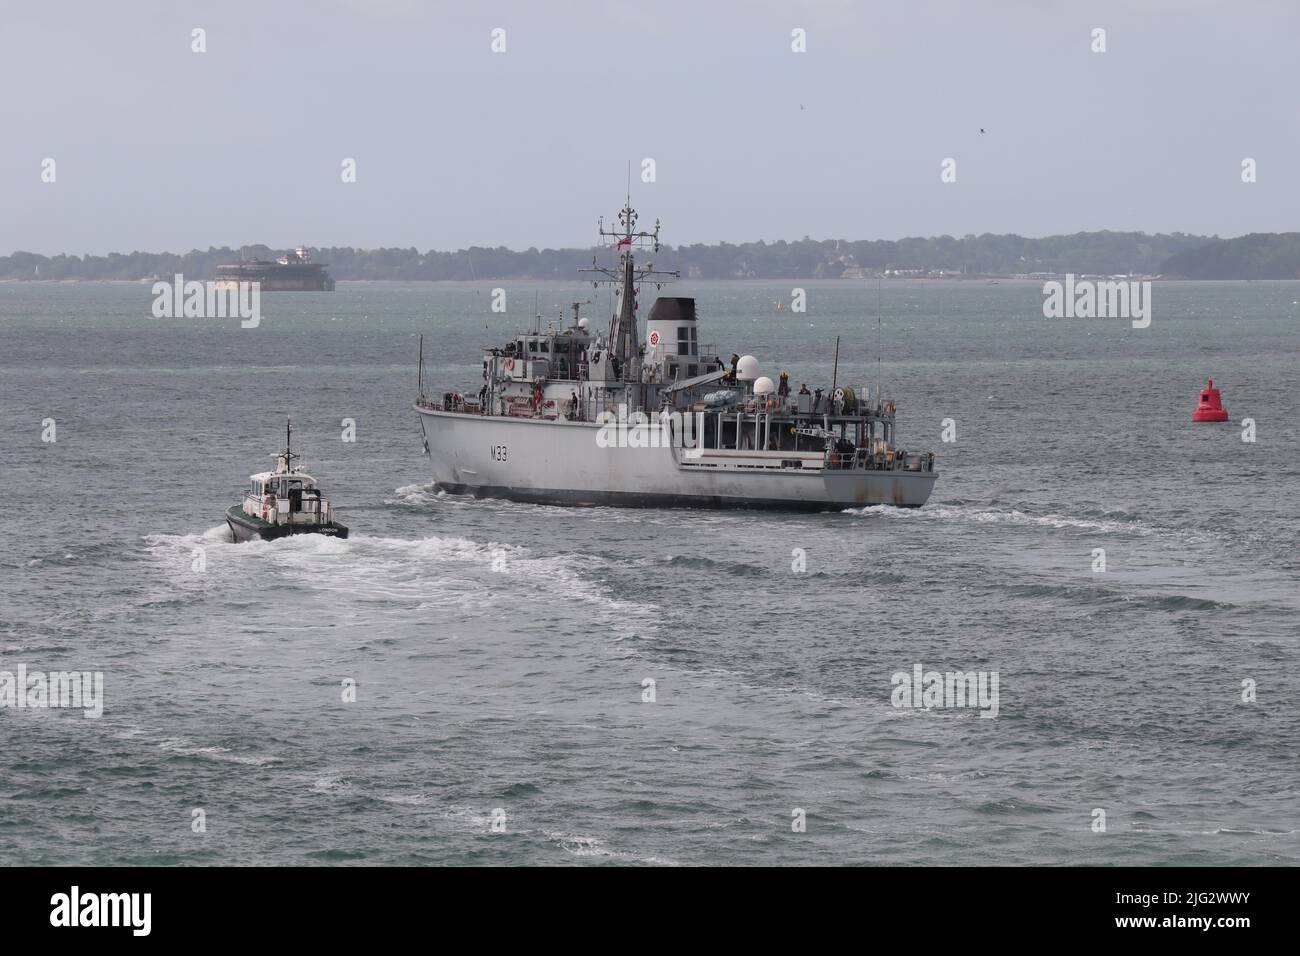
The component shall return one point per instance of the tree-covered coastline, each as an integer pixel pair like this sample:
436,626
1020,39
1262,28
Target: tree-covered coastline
1174,255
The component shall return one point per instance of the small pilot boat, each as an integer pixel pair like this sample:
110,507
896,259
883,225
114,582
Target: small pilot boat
283,502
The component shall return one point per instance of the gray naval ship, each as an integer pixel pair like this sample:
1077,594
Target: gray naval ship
571,417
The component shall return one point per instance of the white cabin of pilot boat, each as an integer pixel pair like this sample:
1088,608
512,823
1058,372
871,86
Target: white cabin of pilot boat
286,496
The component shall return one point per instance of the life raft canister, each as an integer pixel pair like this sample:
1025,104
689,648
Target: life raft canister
1210,408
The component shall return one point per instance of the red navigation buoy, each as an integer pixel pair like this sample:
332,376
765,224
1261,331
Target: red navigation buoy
1210,408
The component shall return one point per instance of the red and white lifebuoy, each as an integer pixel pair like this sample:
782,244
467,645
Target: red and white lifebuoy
510,365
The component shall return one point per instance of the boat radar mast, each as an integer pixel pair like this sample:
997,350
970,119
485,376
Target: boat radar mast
624,338
284,460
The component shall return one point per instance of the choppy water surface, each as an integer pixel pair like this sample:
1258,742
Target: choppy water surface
499,649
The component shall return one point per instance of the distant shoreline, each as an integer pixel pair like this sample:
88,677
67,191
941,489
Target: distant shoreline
1001,258
885,283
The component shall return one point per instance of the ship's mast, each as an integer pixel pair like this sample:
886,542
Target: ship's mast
577,307
288,455
624,337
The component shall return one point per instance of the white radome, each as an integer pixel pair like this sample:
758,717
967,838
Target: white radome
582,323
764,386
747,368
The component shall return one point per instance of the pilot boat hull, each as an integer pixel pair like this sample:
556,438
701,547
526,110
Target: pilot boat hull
562,463
246,528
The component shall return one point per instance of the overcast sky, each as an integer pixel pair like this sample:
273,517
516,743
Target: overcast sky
159,148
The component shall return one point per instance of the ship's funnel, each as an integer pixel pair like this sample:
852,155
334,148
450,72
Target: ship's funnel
670,330
673,309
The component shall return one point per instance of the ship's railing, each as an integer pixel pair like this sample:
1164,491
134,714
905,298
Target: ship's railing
450,402
864,459
847,460
313,510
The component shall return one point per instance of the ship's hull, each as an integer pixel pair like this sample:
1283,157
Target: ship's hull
274,283
274,277
563,463
246,528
